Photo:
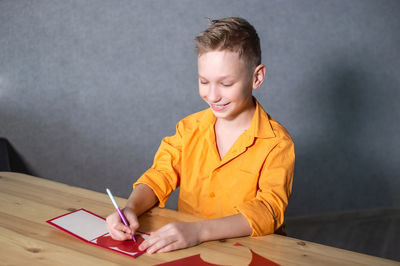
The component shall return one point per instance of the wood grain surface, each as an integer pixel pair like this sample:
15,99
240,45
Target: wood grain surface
26,202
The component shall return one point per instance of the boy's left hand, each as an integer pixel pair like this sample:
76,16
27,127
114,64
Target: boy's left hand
173,236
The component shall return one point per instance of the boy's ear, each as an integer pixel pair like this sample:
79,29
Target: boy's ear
259,76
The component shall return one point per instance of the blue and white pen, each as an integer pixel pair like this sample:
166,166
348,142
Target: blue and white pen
119,211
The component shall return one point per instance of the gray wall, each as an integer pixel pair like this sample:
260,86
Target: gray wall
89,88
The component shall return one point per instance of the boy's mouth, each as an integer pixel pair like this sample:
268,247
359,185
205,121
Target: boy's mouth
219,107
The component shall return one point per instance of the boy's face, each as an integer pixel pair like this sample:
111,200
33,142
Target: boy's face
225,83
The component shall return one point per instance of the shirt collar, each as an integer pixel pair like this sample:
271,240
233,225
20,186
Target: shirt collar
260,126
207,120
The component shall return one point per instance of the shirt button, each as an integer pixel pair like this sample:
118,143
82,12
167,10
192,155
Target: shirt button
212,195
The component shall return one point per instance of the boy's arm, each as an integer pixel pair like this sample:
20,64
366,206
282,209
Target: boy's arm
225,227
265,212
259,216
182,235
164,175
155,185
141,199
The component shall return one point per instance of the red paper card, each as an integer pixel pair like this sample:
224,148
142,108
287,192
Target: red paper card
256,260
92,229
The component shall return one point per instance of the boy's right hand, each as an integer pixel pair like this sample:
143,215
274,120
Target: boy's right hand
117,229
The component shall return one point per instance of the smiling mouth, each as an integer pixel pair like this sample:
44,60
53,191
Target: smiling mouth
219,107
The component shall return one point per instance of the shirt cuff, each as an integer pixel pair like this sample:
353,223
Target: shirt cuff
155,180
259,217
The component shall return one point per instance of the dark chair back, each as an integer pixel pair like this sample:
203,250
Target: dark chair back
4,156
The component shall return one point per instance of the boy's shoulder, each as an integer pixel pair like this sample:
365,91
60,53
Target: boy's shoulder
196,120
279,130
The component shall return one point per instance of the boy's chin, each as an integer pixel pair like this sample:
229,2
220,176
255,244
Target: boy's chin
222,115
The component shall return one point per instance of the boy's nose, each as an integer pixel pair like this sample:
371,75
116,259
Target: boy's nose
213,94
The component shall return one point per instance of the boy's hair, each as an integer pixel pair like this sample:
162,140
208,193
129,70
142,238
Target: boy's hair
234,34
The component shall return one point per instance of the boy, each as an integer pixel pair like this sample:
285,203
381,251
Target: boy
233,163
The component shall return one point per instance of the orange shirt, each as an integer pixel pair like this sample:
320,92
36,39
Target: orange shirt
254,178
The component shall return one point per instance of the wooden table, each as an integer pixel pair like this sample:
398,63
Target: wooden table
26,202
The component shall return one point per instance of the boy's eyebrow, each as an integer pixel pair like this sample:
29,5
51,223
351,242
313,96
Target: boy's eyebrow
219,78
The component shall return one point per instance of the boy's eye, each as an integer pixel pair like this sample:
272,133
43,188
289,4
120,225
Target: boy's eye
203,82
227,84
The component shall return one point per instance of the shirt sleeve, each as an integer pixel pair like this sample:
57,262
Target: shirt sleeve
265,212
164,175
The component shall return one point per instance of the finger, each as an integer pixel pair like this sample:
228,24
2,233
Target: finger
117,229
121,236
120,232
148,242
123,228
113,221
133,227
162,243
118,235
165,232
132,220
172,246
155,242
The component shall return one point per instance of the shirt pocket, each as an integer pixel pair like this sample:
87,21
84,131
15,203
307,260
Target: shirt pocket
242,187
